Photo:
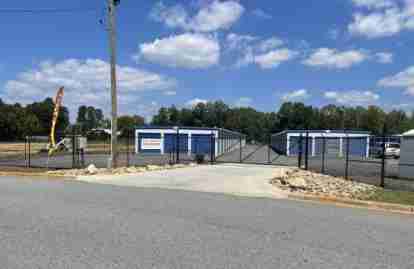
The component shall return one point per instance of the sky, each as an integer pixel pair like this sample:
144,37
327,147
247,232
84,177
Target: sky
255,53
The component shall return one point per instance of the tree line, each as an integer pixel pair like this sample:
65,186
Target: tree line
258,125
17,121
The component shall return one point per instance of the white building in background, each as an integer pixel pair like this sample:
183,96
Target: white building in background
407,155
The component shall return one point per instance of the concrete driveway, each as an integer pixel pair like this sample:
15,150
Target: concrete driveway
243,180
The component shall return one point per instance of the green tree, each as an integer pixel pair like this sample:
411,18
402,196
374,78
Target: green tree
89,118
44,112
127,123
162,118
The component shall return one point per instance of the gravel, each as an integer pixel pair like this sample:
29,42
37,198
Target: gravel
296,180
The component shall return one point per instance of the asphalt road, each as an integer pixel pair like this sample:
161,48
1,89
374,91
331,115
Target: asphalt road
53,224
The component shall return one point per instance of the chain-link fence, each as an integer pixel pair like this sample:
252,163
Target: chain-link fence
73,150
355,158
369,159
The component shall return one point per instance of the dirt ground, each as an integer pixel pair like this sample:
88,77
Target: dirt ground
11,149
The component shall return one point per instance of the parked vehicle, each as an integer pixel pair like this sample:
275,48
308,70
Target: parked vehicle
392,150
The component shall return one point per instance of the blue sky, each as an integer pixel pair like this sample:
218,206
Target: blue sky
248,53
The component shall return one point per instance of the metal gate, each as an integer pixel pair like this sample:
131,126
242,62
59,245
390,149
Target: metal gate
254,152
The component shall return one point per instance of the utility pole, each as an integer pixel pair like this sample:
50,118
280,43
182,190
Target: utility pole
114,100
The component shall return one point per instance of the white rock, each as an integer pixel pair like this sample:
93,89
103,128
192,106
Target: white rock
153,167
132,170
296,182
92,170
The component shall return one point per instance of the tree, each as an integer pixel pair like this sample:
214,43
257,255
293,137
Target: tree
89,118
162,118
397,121
44,112
374,120
258,125
127,123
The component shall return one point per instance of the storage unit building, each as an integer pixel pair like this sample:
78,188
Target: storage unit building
407,155
287,142
191,140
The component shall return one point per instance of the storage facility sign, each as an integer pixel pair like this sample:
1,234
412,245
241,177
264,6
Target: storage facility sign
151,143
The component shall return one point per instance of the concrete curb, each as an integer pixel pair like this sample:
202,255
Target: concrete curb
385,207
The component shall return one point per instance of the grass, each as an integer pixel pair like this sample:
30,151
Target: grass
393,197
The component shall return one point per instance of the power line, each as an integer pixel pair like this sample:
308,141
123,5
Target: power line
46,10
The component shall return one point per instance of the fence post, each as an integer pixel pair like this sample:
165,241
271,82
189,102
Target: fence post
300,151
25,151
307,151
177,148
347,157
30,152
382,184
323,154
268,149
73,150
212,143
241,149
128,138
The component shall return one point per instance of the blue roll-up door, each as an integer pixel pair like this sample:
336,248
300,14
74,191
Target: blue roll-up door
142,136
170,142
357,147
201,144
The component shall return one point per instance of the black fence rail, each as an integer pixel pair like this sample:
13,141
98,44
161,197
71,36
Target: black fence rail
73,151
380,168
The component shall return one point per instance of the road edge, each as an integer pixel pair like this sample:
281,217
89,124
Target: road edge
378,206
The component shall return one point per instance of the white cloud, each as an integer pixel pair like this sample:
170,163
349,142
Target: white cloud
404,79
211,17
262,14
332,58
352,98
86,82
274,58
251,49
196,101
297,95
270,43
243,102
370,4
188,50
384,57
254,43
145,109
239,42
385,18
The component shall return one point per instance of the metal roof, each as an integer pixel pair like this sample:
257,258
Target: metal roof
326,132
153,127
